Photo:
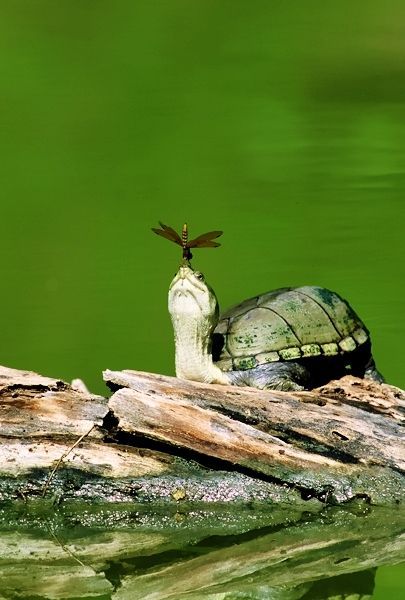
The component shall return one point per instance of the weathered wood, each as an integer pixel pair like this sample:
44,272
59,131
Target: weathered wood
162,449
20,457
206,432
326,422
385,400
304,439
178,441
36,406
42,418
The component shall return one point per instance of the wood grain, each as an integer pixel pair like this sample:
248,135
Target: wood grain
301,428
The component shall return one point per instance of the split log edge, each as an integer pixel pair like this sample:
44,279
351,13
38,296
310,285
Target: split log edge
160,439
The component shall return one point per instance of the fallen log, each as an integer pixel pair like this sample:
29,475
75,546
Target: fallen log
162,439
42,418
312,441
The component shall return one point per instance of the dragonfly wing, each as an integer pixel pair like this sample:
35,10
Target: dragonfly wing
205,240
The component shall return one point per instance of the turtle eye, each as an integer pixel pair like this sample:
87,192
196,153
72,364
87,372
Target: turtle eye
199,275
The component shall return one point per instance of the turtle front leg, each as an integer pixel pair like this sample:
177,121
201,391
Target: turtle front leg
284,376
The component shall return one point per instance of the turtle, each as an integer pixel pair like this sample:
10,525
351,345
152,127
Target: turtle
287,339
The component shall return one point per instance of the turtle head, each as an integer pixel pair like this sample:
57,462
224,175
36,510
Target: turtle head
194,311
190,297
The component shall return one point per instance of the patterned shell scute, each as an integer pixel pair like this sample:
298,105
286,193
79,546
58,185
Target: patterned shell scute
305,317
286,324
343,317
257,331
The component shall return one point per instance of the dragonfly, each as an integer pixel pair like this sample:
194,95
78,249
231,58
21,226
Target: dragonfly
205,240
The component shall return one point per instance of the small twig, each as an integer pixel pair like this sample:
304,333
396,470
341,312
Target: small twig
19,492
62,458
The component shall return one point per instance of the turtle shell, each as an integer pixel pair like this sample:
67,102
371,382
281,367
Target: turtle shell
286,324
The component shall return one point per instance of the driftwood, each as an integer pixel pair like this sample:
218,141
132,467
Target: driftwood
161,471
311,440
160,438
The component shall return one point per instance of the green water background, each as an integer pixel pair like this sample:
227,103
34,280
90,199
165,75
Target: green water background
282,123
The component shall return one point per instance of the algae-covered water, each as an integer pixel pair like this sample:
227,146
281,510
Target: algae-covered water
282,123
